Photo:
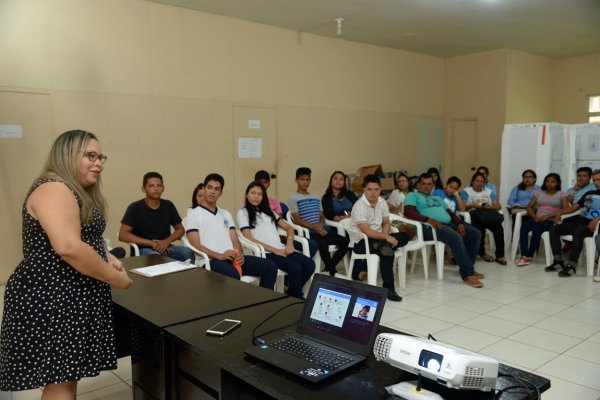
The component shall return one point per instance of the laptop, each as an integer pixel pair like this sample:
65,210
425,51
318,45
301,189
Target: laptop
336,330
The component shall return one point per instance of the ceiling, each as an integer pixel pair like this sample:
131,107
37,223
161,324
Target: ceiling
441,28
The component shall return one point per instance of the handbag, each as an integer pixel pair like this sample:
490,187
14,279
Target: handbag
486,217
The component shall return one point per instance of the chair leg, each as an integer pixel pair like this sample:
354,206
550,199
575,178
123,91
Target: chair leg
372,269
425,257
547,248
317,260
439,257
350,266
401,261
279,283
590,254
515,244
413,260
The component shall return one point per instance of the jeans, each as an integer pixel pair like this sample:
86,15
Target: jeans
536,229
464,248
178,253
313,246
299,269
331,239
578,228
253,266
386,263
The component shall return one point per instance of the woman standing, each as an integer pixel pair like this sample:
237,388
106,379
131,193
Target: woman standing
396,200
483,206
57,326
542,209
259,223
337,201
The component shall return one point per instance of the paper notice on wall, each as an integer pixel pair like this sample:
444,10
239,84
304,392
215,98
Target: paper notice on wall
254,123
250,148
11,132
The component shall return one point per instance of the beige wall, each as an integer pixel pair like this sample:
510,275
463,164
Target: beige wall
574,79
158,85
529,88
476,87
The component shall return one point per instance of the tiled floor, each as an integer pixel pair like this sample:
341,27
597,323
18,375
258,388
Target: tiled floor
524,317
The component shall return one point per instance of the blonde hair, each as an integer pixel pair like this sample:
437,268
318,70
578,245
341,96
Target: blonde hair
63,164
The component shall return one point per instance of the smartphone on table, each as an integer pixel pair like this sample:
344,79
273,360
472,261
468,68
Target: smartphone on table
224,327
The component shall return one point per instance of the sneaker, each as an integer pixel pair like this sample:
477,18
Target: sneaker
472,281
597,278
362,276
555,266
522,261
567,271
479,275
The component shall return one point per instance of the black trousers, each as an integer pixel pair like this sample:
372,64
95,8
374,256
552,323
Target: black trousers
386,263
324,242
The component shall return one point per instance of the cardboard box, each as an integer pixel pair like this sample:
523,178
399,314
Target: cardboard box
386,183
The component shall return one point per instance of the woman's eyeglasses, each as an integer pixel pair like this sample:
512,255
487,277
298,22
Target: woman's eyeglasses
93,156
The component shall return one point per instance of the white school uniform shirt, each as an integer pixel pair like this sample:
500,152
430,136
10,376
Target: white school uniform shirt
265,229
213,227
364,212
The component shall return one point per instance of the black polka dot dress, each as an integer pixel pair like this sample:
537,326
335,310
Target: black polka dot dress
57,324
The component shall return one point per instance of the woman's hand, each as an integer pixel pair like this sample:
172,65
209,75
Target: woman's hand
289,248
123,281
116,264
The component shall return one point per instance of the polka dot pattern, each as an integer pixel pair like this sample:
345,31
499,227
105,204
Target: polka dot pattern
57,324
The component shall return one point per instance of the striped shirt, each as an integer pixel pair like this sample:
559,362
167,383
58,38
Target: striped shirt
307,205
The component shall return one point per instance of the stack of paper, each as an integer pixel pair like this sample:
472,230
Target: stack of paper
161,269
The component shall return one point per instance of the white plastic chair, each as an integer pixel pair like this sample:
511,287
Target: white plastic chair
516,235
303,232
134,249
202,260
371,259
418,243
259,251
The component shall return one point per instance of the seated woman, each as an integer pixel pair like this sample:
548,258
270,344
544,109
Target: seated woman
259,224
483,206
197,195
396,199
522,194
542,208
482,169
437,179
451,194
337,201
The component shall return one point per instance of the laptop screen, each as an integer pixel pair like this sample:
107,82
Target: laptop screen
342,313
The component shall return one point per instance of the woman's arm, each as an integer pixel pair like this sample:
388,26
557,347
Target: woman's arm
55,207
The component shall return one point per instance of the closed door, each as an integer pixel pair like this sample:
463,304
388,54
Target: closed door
255,138
464,148
431,141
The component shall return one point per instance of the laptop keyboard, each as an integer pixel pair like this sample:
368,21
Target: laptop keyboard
317,355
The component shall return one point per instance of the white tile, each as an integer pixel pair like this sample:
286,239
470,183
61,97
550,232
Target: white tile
420,325
466,338
437,295
476,305
412,304
580,285
592,303
519,315
595,337
392,314
497,296
105,379
541,279
559,297
574,370
120,391
568,327
450,314
562,390
545,339
519,353
517,288
580,314
123,370
33,394
539,305
495,326
587,350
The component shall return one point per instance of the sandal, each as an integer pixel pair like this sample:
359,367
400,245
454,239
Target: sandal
486,258
501,260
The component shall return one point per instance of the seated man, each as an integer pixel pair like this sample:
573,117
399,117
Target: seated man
211,230
462,238
580,227
582,185
148,222
370,215
307,211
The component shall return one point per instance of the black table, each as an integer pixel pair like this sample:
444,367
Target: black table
152,304
210,367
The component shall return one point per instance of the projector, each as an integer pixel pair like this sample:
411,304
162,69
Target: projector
446,364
